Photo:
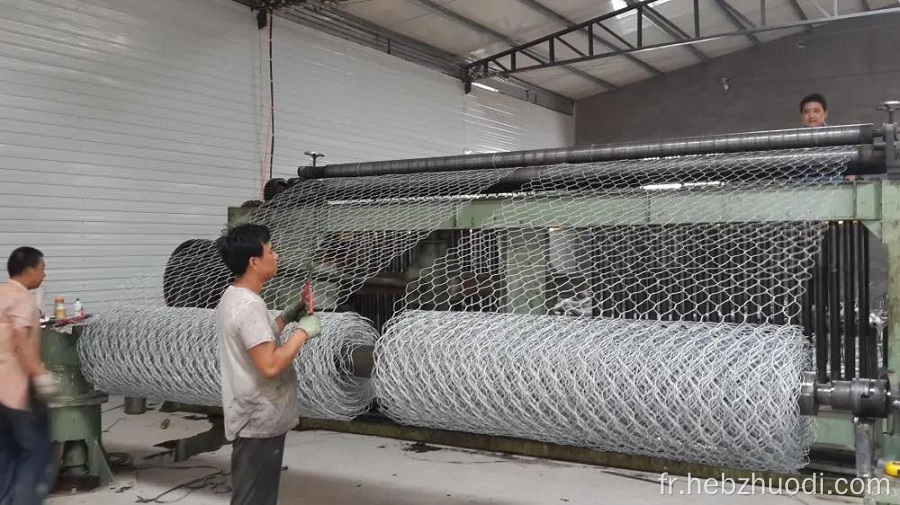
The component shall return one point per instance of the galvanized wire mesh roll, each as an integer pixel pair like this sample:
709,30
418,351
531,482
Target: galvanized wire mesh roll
327,387
715,393
166,353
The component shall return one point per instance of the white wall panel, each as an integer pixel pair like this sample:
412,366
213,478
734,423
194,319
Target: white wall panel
497,122
129,126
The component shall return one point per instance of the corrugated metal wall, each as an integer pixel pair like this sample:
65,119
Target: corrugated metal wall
128,126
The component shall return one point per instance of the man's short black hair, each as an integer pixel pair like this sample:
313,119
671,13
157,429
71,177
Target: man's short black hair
814,97
241,243
22,259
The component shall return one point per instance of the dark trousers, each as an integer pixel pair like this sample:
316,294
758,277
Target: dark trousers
25,454
256,470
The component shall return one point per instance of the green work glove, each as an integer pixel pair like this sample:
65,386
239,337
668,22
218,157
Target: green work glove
292,313
311,325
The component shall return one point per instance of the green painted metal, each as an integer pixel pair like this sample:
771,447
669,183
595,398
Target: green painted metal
890,236
532,448
75,415
235,213
425,254
888,438
69,424
833,430
60,354
846,201
859,200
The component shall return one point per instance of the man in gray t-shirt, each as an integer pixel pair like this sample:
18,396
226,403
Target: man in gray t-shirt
259,385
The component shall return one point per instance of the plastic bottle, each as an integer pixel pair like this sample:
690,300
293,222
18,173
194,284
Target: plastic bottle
60,304
79,310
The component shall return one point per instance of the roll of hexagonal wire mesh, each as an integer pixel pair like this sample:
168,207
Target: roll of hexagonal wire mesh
171,354
564,316
715,393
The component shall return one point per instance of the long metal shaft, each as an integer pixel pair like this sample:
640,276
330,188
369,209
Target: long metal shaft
639,172
727,143
358,362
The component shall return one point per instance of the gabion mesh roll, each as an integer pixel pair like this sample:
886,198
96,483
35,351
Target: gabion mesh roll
715,393
134,353
172,354
327,388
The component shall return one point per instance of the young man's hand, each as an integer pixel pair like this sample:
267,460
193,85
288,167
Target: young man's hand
311,325
292,312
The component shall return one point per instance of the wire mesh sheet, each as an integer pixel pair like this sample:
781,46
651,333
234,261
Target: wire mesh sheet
714,393
339,231
700,238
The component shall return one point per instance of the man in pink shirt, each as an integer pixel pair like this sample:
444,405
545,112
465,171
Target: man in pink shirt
25,446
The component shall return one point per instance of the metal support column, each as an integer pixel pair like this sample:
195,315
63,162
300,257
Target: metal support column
891,238
75,415
135,406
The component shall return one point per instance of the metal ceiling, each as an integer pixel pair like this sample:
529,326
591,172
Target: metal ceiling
552,52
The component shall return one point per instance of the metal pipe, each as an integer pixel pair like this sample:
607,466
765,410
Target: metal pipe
696,278
864,445
727,143
806,312
749,280
770,280
863,159
618,264
850,335
821,285
781,299
834,321
869,356
359,362
857,160
135,406
721,275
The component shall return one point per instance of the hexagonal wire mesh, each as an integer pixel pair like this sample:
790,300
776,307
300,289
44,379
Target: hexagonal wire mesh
158,341
605,244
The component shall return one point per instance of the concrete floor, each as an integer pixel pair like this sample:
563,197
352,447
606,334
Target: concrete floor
342,469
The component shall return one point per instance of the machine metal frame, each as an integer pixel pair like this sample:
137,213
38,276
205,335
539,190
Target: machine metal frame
861,414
